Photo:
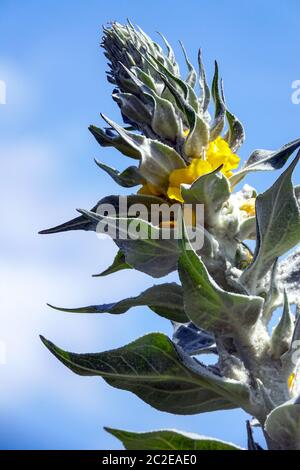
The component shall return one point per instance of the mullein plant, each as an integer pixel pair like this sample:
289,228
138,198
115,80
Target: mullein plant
227,295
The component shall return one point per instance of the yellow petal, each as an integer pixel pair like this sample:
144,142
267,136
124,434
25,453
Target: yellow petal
216,154
249,207
202,167
183,175
174,193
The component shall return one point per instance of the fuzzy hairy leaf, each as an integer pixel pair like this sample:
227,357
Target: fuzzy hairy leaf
120,204
127,179
173,83
247,230
148,252
283,424
168,440
150,110
236,134
165,122
133,108
289,275
206,304
78,223
192,75
205,91
164,299
197,138
266,160
158,373
157,160
147,248
132,47
183,95
109,139
297,193
283,331
212,190
278,226
170,51
273,294
118,264
220,108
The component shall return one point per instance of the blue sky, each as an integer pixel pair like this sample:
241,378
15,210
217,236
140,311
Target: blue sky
55,76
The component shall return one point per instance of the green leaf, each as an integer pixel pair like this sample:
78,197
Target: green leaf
212,190
205,91
171,54
220,109
118,264
209,306
78,223
278,226
146,247
168,440
247,230
266,160
197,139
120,204
181,99
192,76
187,94
236,134
127,178
108,139
297,193
157,160
289,275
133,108
145,78
165,122
164,299
272,295
158,373
149,252
282,333
151,255
159,114
283,425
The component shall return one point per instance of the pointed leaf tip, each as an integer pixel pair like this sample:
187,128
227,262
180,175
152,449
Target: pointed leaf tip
168,439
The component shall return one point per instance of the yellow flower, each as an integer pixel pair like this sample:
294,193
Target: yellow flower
249,207
175,193
217,153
